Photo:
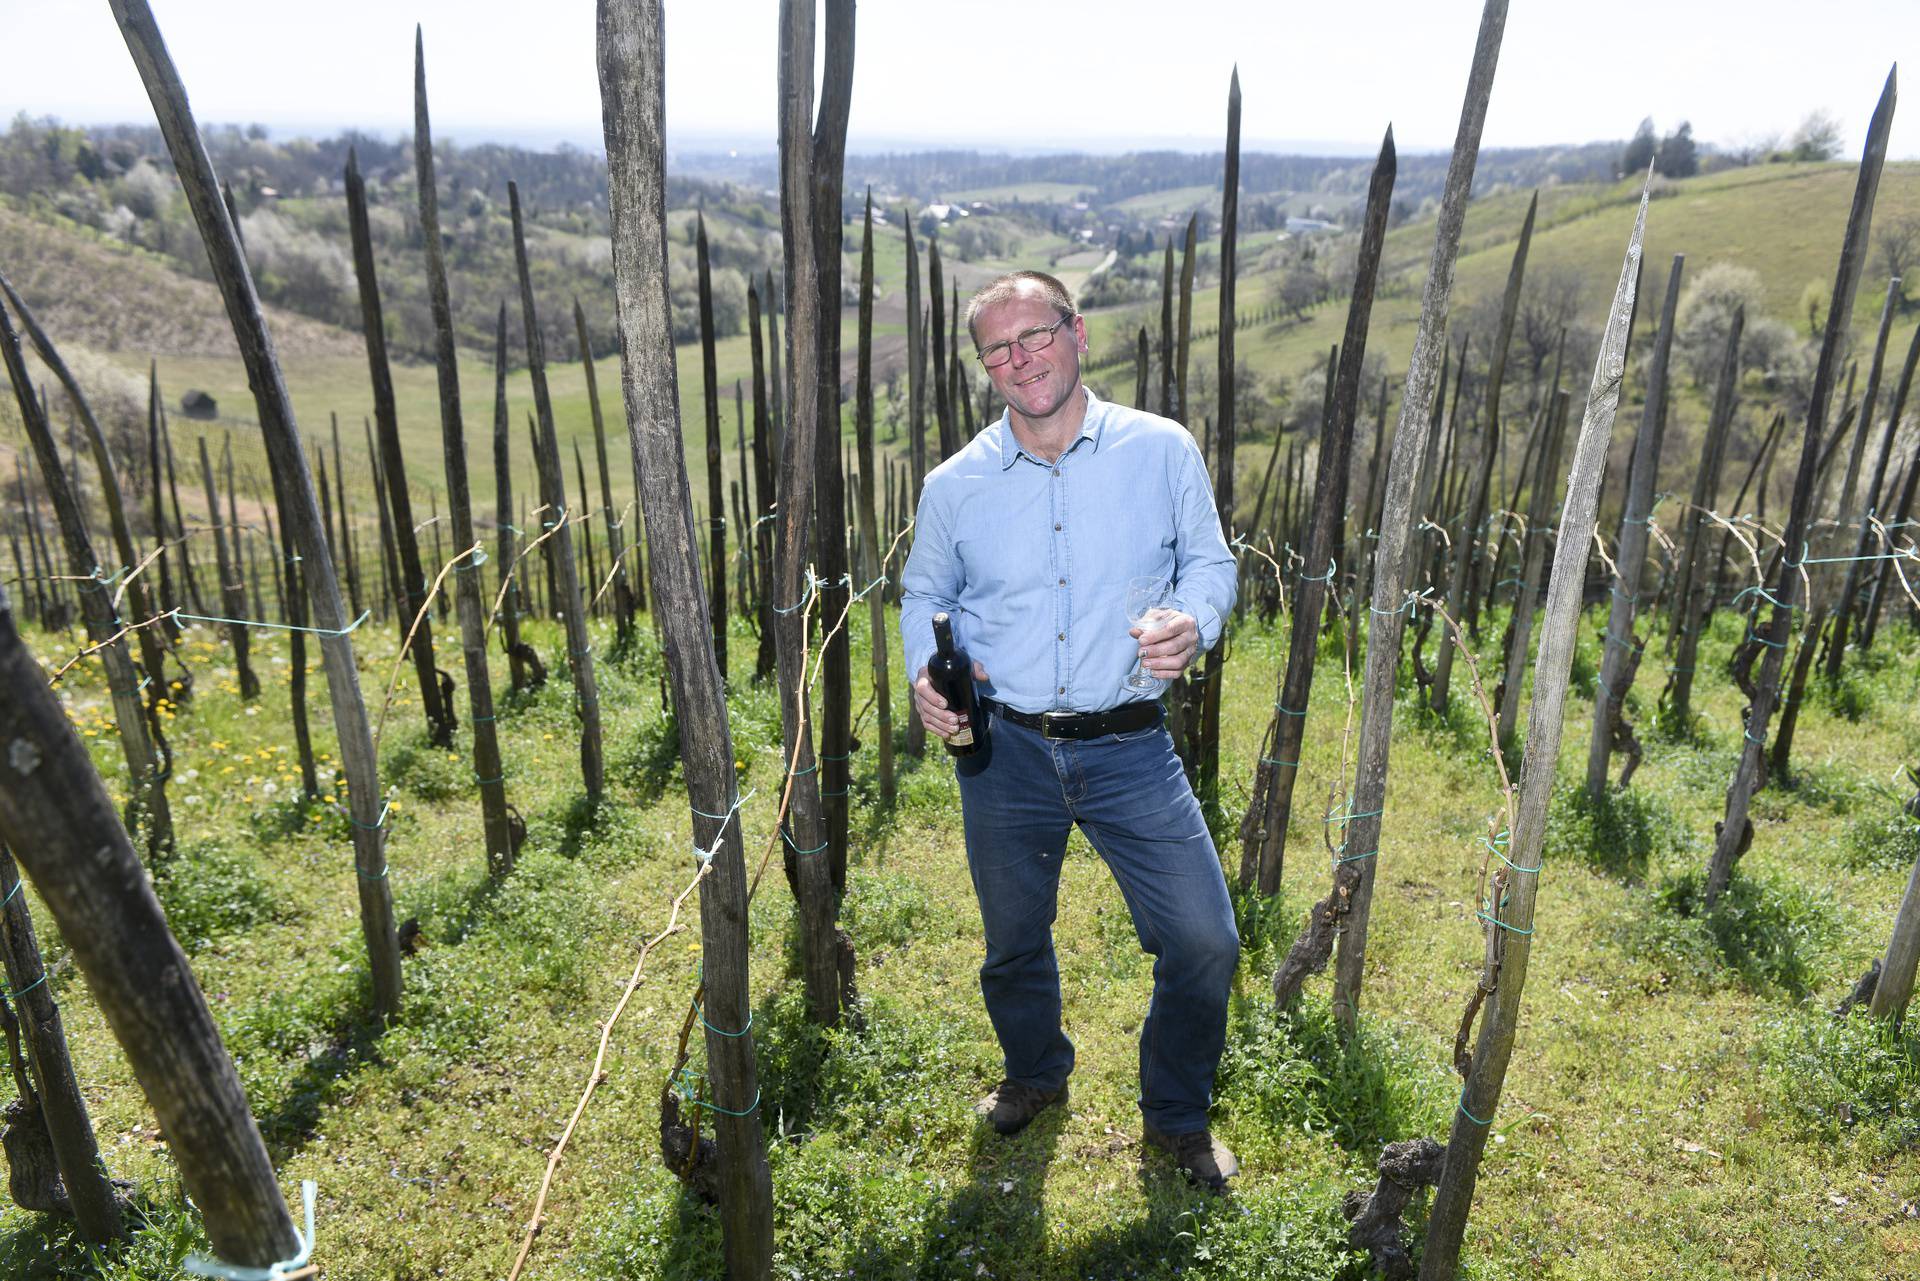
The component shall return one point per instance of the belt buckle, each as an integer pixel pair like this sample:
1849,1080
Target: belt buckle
1046,724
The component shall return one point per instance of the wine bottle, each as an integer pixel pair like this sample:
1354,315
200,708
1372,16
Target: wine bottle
951,672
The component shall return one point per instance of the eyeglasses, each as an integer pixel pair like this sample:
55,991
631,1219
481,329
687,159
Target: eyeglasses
1039,338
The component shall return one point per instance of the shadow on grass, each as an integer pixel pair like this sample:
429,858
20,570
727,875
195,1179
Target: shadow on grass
649,762
1290,1070
1616,835
1770,932
348,1044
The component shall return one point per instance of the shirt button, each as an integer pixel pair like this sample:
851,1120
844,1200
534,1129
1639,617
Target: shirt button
1061,636
1063,582
1056,529
1063,689
1056,471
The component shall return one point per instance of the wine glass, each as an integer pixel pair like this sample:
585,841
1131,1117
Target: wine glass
1147,595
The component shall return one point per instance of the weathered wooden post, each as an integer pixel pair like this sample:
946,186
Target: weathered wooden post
1848,600
1508,912
1460,579
55,1090
411,589
1352,891
614,521
1211,676
148,808
572,603
830,524
56,816
488,773
916,743
1620,653
1690,614
869,523
282,437
1902,511
766,505
1533,563
716,507
151,641
588,586
1265,841
226,546
349,553
1734,831
524,667
633,110
805,833
937,312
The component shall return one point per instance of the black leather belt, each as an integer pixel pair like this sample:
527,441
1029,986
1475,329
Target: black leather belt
1115,720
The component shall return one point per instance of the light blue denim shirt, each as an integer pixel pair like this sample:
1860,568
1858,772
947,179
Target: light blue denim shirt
1032,558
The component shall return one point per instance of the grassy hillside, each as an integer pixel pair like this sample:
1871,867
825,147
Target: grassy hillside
114,309
1679,1103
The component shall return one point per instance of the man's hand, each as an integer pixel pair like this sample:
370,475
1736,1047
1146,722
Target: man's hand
1168,641
941,722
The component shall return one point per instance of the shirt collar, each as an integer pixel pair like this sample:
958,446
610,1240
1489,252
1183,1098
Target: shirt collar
1091,427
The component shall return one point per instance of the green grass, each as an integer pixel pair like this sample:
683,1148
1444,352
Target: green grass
1674,1105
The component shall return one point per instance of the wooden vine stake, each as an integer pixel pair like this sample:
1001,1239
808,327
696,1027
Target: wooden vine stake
1460,578
793,587
830,524
152,641
710,404
1508,910
488,772
869,520
148,812
51,1090
1352,892
1264,832
553,484
1620,651
57,818
281,435
410,591
1691,606
1212,675
1735,832
633,111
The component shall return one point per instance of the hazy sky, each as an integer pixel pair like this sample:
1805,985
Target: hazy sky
1038,75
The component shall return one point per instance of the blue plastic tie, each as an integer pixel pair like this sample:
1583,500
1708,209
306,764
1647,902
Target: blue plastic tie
698,1009
788,838
1470,1116
1274,760
1494,920
14,996
13,893
377,824
202,1267
1288,711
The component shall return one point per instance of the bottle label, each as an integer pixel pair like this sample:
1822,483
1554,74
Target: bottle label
962,737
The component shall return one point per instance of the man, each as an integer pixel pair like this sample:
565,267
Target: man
1027,538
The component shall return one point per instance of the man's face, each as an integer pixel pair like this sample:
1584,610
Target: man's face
1036,384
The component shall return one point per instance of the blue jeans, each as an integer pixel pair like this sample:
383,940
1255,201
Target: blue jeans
1128,794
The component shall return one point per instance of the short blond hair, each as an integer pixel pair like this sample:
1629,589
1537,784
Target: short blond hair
1002,288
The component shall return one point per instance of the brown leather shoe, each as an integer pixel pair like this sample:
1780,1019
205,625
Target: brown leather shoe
1205,1159
1012,1105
